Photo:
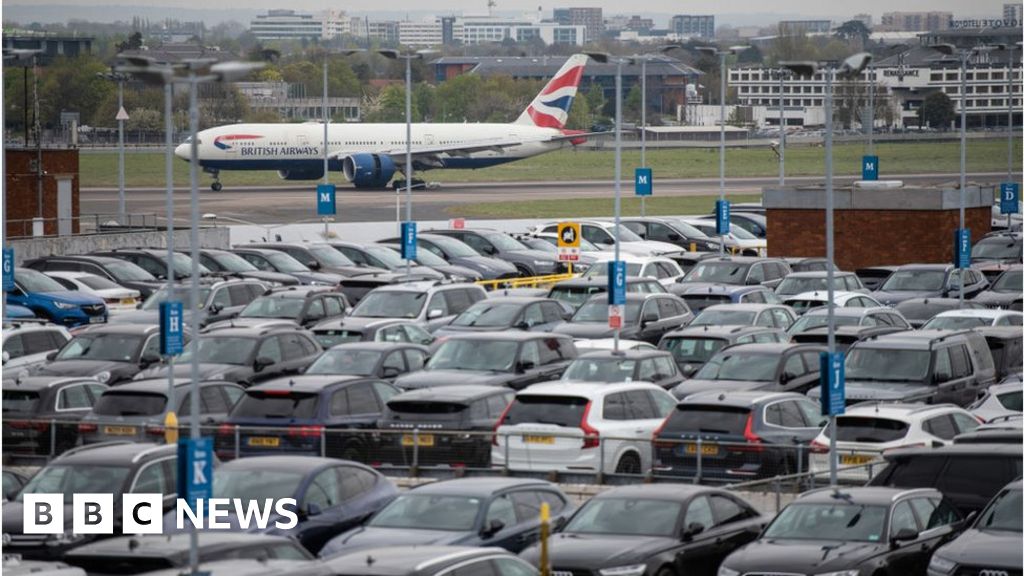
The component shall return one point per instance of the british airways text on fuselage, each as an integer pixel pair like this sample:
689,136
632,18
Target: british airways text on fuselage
279,151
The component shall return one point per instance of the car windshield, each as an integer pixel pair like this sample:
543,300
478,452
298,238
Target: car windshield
126,271
596,310
720,272
475,354
724,317
488,314
179,293
741,233
273,307
956,323
390,304
233,262
277,405
32,281
505,243
791,285
809,321
329,338
687,229
129,403
386,256
742,367
426,258
183,265
109,347
429,512
915,280
572,295
453,247
836,521
329,256
284,262
600,370
600,269
1009,281
1004,513
997,248
887,364
626,516
97,282
256,485
693,349
220,350
346,361
24,401
869,429
68,479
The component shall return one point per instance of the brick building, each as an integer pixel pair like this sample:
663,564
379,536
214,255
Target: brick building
60,207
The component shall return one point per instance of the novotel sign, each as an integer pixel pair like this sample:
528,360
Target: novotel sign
985,23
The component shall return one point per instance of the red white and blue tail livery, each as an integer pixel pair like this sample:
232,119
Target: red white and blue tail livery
550,109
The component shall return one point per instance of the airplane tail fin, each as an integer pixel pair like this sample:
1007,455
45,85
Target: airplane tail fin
550,109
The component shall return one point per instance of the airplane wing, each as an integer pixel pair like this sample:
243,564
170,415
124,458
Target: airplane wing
397,153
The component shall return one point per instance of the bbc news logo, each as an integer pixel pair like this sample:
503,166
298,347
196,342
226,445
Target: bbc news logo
143,514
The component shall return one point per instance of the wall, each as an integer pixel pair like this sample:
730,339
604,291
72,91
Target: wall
28,248
21,183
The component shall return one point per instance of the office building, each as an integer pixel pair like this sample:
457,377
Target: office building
797,27
916,21
591,18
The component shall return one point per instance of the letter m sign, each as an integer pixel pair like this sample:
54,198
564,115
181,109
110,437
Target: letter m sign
325,200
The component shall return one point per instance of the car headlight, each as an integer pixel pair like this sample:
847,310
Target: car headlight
319,283
631,570
941,565
840,573
103,377
723,571
67,538
65,305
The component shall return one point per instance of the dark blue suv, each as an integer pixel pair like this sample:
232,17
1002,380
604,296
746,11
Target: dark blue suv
48,299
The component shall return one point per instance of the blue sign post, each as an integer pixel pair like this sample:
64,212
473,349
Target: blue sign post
1009,198
409,240
616,283
644,182
721,217
8,270
172,333
962,248
195,469
833,384
325,195
869,168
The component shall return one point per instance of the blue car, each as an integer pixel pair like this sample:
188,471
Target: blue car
48,299
14,312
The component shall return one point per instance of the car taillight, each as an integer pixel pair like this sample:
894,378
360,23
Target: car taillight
86,428
818,447
501,420
305,431
657,433
753,440
155,430
28,425
591,435
226,430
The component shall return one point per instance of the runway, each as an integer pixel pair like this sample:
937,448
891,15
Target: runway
294,203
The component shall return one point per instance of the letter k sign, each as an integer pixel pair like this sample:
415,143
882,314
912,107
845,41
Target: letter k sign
199,473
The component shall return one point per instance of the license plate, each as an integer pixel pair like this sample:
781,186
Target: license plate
539,439
422,439
97,320
128,301
705,449
119,430
854,459
264,442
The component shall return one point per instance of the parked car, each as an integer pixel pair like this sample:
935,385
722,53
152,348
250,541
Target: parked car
226,263
154,261
432,304
810,300
645,317
428,561
512,359
989,545
40,413
14,565
14,313
1003,248
12,484
671,231
928,281
295,306
843,336
269,260
46,298
495,512
917,311
998,400
592,344
670,528
663,269
602,234
767,315
816,318
742,270
1005,291
808,264
528,261
800,282
965,319
699,296
121,272
577,291
874,276
507,313
116,297
377,256
26,344
584,427
320,257
693,346
136,411
451,272
383,360
782,367
738,240
446,425
109,354
850,531
739,435
654,366
457,252
221,299
348,329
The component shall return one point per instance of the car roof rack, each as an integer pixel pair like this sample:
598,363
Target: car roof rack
85,447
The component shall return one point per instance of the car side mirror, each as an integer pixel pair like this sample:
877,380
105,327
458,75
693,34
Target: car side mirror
389,372
648,318
148,359
692,529
313,265
215,307
492,528
524,366
523,325
904,535
50,357
313,509
261,363
435,313
785,377
608,241
674,237
559,523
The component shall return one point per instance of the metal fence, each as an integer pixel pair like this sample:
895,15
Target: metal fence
84,224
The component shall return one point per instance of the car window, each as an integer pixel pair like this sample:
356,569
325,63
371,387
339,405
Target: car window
755,297
639,406
417,335
240,294
551,312
902,519
663,403
961,475
941,426
960,361
291,348
496,404
943,514
785,414
73,398
339,403
502,509
361,399
533,315
615,406
699,512
457,300
782,319
152,479
416,359
316,309
765,319
553,350
915,472
233,394
324,490
332,306
665,367
648,371
943,366
395,360
384,391
756,274
964,422
38,341
666,309
527,503
391,334
529,353
794,366
270,349
483,567
212,402
811,411
14,346
726,510
355,481
309,346
221,298
438,302
508,566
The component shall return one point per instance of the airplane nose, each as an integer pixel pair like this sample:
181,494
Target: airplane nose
182,151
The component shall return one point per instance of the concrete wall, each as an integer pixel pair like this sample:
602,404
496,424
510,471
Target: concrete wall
29,248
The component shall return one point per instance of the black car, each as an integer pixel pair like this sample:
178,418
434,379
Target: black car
297,305
918,311
809,264
32,404
1005,291
277,261
781,367
384,360
654,366
740,435
850,531
348,329
451,272
143,554
1006,344
528,262
654,529
110,468
384,258
220,299
874,276
448,425
320,258
311,415
747,270
1001,247
245,355
428,561
512,359
928,281
692,347
955,471
672,231
110,354
457,252
499,512
154,261
230,264
116,270
645,317
507,313
576,291
844,336
992,543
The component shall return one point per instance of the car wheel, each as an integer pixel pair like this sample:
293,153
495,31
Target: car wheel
628,464
352,451
666,571
523,271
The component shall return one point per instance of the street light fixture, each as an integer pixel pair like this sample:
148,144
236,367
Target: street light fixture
120,78
851,67
327,119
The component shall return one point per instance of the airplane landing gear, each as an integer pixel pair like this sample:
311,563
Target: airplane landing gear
216,186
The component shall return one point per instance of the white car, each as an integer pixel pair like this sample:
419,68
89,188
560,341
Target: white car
1003,399
972,318
602,234
117,298
664,270
581,427
26,344
843,299
589,345
738,240
867,430
768,315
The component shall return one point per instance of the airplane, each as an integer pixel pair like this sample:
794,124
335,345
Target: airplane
369,155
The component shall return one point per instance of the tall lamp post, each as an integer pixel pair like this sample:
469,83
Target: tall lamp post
782,73
326,120
851,67
120,78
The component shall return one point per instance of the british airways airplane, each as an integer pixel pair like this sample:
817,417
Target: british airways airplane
370,154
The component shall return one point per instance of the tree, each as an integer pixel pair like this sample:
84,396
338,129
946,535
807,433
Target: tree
937,111
134,42
579,115
390,107
631,105
853,30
